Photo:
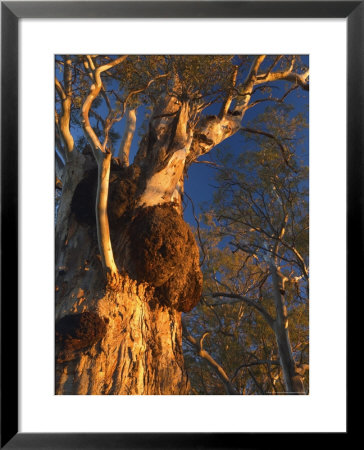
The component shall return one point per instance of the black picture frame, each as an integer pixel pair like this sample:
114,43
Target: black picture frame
11,12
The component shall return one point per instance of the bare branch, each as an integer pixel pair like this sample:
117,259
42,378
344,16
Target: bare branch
65,94
198,229
248,85
230,389
239,298
59,89
255,363
281,145
300,259
256,381
210,163
102,221
97,116
212,130
103,159
58,138
90,68
288,75
94,92
124,103
272,66
273,99
226,105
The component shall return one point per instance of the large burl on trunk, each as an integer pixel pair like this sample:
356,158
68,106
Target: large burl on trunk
123,339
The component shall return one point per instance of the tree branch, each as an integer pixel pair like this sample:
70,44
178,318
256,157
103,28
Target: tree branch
226,105
239,298
126,141
255,363
273,99
136,91
103,159
65,94
198,345
58,138
102,221
198,229
282,147
288,75
94,92
248,85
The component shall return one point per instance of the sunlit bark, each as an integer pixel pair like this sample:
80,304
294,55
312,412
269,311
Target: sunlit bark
103,159
126,141
138,349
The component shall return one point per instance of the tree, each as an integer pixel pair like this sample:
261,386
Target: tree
127,265
260,275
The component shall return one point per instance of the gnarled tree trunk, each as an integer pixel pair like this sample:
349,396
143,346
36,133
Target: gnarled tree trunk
126,337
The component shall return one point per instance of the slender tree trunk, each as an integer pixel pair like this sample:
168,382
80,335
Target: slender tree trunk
292,379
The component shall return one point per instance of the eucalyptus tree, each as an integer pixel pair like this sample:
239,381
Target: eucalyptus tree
127,265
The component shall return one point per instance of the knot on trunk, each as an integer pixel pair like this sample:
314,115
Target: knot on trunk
79,331
162,251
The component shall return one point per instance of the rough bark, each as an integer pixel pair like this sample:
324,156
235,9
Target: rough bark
127,338
138,350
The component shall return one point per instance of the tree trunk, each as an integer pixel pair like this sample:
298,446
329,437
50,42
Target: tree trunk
115,343
292,379
126,338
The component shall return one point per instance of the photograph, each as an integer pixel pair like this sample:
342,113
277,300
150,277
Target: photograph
181,224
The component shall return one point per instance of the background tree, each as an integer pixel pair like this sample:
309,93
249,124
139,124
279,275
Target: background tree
127,264
255,302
